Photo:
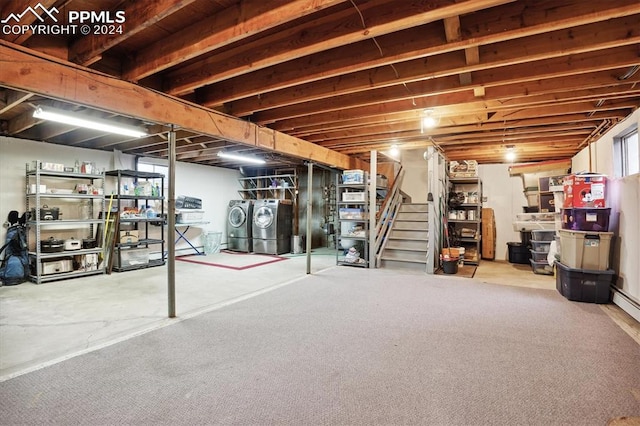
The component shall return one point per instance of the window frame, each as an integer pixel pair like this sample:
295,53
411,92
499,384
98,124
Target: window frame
624,165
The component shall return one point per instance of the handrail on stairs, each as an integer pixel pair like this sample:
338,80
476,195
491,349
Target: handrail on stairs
387,216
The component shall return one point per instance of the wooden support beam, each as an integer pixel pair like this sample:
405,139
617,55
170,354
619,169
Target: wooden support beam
13,99
30,71
539,167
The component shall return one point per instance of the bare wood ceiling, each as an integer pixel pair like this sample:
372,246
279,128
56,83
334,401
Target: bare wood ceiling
544,76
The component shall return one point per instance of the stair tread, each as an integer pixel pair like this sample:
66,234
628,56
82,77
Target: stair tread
391,237
403,260
414,250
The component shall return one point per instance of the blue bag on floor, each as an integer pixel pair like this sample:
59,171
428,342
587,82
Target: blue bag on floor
14,268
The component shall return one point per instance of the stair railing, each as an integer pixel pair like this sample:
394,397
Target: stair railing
387,216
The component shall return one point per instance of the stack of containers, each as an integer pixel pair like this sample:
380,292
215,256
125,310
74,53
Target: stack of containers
583,271
540,245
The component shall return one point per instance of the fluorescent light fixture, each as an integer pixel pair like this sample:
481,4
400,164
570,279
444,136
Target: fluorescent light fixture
243,158
78,120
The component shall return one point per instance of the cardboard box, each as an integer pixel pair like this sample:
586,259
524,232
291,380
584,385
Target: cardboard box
189,215
353,176
57,266
53,167
347,213
129,237
464,168
353,196
588,190
547,203
451,253
555,183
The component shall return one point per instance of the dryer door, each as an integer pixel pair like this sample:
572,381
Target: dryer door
263,217
237,217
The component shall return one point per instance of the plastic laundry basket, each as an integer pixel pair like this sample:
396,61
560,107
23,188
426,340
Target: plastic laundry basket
212,242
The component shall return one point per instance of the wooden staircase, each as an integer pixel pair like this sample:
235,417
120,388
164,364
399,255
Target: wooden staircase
406,245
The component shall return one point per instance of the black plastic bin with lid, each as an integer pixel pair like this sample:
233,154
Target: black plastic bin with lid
583,285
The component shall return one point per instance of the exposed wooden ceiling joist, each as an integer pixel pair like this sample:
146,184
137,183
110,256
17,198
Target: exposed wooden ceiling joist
30,72
302,76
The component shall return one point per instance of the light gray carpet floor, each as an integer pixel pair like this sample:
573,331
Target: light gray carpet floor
353,347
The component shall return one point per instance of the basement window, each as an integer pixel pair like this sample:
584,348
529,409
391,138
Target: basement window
627,153
153,168
143,166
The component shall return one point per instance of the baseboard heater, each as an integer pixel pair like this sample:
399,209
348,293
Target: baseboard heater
626,303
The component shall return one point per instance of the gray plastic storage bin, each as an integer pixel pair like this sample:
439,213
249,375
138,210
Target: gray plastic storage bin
543,234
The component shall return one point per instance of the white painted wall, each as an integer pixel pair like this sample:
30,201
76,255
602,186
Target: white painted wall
415,178
505,196
214,185
624,199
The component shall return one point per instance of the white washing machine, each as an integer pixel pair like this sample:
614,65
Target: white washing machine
272,223
239,229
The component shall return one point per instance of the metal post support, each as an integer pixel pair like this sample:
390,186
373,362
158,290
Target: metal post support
373,174
171,226
432,188
309,213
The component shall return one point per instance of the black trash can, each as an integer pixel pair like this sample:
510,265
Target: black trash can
519,253
450,266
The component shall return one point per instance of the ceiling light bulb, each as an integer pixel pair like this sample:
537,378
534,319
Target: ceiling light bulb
429,121
394,151
510,155
243,158
78,120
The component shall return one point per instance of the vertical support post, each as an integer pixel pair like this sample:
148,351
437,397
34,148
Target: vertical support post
309,213
171,226
436,173
433,177
373,174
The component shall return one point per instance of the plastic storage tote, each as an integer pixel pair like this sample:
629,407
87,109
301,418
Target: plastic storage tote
586,219
539,256
543,234
541,267
582,285
541,246
586,250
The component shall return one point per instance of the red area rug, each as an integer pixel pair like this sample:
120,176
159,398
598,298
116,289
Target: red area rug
233,260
